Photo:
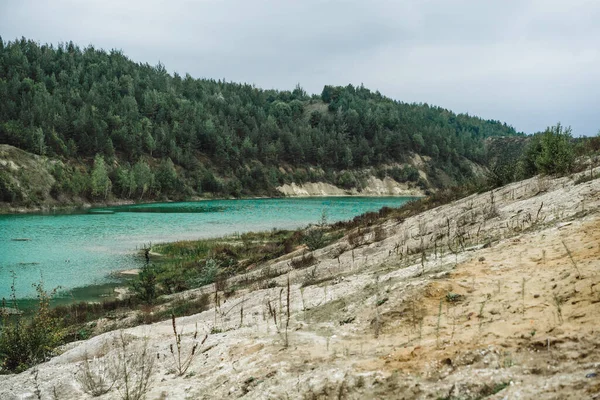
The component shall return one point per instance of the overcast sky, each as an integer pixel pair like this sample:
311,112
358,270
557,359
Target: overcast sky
530,63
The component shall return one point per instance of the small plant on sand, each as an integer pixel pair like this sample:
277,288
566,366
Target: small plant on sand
377,325
133,366
314,238
416,316
273,314
129,369
438,325
492,210
287,320
95,377
356,238
379,234
558,302
310,278
182,362
572,260
481,308
523,296
281,326
453,297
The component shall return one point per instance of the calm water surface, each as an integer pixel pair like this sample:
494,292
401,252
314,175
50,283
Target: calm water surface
77,250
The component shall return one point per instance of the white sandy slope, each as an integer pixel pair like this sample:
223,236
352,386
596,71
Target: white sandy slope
374,187
380,325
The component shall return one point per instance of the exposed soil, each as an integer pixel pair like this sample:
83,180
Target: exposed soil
374,187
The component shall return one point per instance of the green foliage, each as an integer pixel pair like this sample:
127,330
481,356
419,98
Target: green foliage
145,286
208,273
556,156
100,182
315,238
125,184
189,264
143,177
9,192
70,180
550,152
26,342
82,103
346,180
407,173
166,177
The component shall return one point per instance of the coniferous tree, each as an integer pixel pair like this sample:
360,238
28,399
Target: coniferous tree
77,103
100,182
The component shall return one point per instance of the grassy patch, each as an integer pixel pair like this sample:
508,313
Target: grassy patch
190,264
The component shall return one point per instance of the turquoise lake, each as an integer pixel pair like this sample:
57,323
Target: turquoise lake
79,250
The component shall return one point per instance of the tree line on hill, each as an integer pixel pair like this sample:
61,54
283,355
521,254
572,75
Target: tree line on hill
132,130
552,152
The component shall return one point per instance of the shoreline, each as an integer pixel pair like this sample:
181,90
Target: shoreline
6,209
96,292
92,293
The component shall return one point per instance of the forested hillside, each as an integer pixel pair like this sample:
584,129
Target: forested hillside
128,130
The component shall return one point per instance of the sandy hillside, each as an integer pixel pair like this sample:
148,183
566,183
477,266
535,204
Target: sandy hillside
374,187
494,296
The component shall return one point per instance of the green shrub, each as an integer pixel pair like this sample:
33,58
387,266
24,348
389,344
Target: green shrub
9,192
208,274
314,239
346,180
26,342
146,283
557,154
550,152
408,173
